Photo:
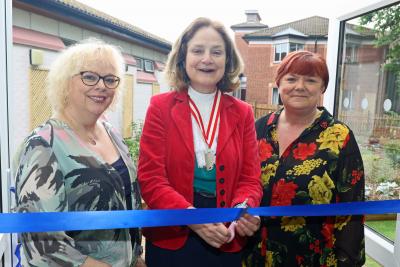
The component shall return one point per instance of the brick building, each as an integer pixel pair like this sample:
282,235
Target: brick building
263,48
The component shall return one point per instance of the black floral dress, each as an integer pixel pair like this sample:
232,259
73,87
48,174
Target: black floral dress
323,165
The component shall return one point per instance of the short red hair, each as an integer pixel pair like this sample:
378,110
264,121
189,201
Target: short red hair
303,63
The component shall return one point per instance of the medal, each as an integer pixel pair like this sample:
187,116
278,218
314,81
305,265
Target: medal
208,135
210,160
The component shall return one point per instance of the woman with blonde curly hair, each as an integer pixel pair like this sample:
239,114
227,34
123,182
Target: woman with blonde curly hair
76,161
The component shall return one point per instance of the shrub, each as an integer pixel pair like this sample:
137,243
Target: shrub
133,142
392,150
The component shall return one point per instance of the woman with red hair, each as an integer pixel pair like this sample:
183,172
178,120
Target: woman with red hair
307,157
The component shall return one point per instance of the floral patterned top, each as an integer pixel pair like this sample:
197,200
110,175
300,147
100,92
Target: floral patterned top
56,172
323,165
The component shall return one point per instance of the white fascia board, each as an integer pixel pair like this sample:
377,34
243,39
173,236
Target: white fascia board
378,248
366,9
289,31
332,55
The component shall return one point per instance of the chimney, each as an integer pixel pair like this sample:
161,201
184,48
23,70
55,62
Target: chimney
252,16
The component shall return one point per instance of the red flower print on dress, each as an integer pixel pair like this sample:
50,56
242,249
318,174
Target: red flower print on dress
264,149
315,247
264,235
323,124
327,232
346,140
283,193
299,259
356,176
286,153
303,150
271,119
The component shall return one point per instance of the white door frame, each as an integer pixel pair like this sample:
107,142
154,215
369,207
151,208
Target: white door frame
5,83
376,247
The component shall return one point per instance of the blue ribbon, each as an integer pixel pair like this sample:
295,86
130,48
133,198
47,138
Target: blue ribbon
92,220
17,253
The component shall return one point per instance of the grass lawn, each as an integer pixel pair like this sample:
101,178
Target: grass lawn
386,228
371,263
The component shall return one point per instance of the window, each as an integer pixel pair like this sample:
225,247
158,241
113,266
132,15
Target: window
368,101
366,97
295,47
148,66
347,99
139,63
351,55
275,96
281,50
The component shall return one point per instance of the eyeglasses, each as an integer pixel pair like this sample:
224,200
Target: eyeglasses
91,78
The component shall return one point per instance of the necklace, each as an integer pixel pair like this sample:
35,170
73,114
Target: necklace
89,138
92,139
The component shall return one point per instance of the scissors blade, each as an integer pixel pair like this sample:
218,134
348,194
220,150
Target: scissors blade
243,211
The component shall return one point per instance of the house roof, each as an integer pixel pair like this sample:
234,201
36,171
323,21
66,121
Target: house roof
312,26
315,26
79,12
247,25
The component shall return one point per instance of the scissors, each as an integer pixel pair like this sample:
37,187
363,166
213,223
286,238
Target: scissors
243,209
243,206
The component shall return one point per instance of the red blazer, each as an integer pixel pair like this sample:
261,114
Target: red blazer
167,160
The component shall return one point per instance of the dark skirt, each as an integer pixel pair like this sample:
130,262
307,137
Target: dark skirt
196,252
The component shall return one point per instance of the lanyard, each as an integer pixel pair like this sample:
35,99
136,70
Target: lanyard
213,121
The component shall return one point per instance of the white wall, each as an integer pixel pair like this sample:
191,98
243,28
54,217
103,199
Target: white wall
19,95
164,87
142,94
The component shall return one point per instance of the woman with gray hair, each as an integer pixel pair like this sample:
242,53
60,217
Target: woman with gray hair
76,161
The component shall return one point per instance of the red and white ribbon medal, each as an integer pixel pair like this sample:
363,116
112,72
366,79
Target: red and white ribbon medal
211,129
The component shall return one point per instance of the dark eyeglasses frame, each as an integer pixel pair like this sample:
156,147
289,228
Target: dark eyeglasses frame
100,77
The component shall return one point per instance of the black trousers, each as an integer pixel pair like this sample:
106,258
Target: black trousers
196,252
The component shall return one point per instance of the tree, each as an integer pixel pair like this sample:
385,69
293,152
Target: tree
386,23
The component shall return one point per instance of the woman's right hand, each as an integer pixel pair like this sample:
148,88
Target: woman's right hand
215,234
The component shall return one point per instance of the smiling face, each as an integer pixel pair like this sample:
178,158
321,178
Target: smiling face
92,101
205,60
300,92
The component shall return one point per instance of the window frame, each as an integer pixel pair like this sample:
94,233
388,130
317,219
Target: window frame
286,49
139,63
275,96
376,247
148,65
7,241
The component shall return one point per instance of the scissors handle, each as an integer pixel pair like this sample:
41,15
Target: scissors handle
243,206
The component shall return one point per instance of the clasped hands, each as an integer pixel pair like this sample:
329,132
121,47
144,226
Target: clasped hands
217,234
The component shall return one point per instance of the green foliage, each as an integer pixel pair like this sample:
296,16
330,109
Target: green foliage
392,113
133,142
392,150
378,167
386,23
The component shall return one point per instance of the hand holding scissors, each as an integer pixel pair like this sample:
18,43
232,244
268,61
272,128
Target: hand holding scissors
245,224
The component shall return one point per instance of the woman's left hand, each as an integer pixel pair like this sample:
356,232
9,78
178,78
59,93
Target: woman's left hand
247,225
